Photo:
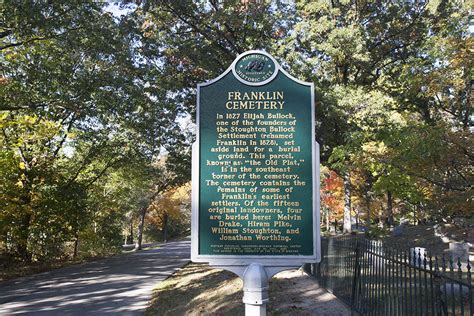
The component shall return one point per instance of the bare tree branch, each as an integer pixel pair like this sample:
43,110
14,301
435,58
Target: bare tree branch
22,107
35,39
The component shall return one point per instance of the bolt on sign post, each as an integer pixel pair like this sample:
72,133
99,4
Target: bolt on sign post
255,178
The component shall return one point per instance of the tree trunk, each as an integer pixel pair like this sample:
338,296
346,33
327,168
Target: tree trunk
357,217
143,210
22,243
367,203
347,228
164,228
23,226
76,245
327,219
138,245
25,221
389,208
131,231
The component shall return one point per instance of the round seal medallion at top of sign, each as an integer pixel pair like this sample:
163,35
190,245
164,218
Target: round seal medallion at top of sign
255,68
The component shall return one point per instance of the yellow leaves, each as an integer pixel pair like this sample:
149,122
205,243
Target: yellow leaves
30,128
433,5
148,28
11,55
3,119
171,203
31,120
182,193
463,51
20,183
377,148
3,81
22,165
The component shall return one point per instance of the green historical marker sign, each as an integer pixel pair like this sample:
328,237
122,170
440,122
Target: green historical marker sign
255,167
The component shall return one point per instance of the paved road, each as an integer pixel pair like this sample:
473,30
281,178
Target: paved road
120,285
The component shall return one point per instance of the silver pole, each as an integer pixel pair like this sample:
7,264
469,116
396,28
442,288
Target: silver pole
255,290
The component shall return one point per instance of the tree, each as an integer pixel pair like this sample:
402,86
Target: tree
356,61
74,108
90,103
331,197
369,77
172,206
170,173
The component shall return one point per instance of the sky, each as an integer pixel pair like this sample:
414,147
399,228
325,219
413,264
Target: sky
118,10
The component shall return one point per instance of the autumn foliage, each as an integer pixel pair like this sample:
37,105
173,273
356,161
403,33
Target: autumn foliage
332,191
170,211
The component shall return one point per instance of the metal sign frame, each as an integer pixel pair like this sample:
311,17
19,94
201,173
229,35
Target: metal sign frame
229,261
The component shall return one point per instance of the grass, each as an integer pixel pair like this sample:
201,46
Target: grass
198,289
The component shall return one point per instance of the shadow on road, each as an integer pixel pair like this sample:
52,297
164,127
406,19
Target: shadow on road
117,285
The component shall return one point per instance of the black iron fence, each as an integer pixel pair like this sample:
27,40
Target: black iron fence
375,279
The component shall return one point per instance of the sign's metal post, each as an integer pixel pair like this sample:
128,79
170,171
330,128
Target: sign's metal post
255,277
255,290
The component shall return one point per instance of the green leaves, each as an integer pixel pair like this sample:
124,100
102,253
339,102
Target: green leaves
89,103
71,90
392,84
